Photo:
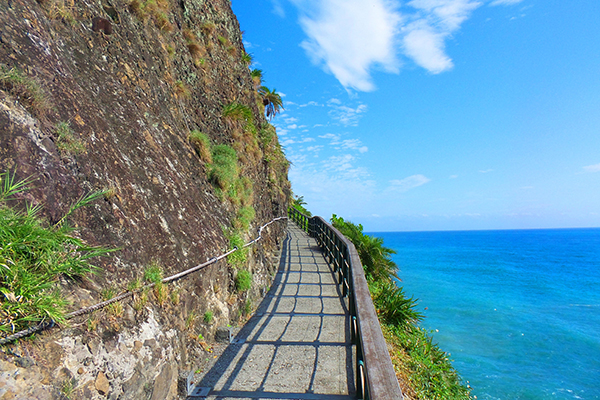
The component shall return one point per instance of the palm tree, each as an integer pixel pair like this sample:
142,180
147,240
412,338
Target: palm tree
271,100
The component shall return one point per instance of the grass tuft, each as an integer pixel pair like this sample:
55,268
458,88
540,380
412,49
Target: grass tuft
237,112
224,169
181,89
243,280
238,258
153,273
201,144
33,258
66,140
208,317
26,89
208,28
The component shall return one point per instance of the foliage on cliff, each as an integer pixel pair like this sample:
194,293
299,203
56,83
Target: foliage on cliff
417,360
34,256
131,97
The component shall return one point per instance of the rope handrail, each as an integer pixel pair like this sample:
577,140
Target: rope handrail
48,324
375,378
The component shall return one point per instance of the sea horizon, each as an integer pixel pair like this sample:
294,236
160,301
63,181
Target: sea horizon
374,233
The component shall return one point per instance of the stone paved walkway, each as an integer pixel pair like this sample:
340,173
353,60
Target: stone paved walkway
297,345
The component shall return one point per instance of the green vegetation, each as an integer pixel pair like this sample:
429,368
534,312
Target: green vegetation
298,203
66,141
238,258
208,28
416,358
191,319
34,256
27,90
271,100
191,41
201,143
247,307
154,274
67,387
181,89
159,10
247,58
243,280
256,75
236,111
115,309
224,170
208,317
57,9
223,40
245,216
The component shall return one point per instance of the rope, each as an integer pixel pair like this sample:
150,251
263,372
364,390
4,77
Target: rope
125,295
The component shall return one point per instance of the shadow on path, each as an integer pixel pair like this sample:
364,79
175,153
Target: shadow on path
297,345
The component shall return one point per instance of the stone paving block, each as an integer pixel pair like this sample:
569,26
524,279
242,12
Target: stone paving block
297,345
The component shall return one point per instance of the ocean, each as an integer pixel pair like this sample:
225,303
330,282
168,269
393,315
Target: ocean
518,310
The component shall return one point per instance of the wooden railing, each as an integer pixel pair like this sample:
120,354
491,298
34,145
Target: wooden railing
376,379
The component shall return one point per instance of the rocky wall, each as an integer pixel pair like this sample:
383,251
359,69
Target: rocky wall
131,79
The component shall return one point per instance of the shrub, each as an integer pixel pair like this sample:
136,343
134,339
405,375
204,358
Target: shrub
33,256
247,58
243,280
208,317
245,216
201,143
393,307
224,41
208,27
236,111
153,273
237,258
181,89
66,141
27,90
224,170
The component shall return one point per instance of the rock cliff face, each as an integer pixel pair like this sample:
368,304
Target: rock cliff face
109,92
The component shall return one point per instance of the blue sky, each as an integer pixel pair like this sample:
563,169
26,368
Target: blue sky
436,114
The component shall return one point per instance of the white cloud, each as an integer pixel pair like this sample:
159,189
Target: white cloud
504,2
354,144
348,38
351,38
433,23
278,8
314,149
335,139
339,163
453,176
406,184
426,48
592,168
347,116
485,171
310,103
293,126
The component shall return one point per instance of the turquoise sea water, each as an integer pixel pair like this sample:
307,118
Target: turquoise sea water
519,311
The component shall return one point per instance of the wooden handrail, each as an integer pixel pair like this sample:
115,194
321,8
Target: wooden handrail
375,375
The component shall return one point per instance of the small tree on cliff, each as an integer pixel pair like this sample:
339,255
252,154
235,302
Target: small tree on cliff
271,100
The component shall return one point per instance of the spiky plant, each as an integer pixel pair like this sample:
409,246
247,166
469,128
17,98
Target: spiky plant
272,101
